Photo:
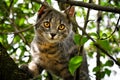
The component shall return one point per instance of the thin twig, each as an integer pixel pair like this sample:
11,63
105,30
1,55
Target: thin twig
17,30
20,31
87,16
116,26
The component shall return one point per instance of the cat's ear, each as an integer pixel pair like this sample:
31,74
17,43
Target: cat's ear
70,11
41,11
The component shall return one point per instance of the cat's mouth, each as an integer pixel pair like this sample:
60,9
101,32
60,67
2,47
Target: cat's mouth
52,38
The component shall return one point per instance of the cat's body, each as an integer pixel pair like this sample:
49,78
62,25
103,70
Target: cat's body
53,57
53,44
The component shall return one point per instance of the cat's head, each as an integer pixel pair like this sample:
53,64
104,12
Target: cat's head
52,25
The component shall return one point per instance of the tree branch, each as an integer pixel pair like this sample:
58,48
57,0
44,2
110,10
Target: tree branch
20,31
98,62
92,6
8,69
104,51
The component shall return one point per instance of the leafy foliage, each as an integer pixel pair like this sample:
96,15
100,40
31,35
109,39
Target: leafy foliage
80,40
74,63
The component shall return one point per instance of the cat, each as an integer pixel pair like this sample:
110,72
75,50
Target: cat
53,45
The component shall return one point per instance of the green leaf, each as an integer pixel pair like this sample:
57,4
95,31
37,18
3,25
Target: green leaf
104,44
107,71
16,39
102,74
109,63
78,14
1,39
49,1
93,34
118,59
104,3
21,21
90,54
104,35
83,40
74,63
36,7
96,69
77,38
80,40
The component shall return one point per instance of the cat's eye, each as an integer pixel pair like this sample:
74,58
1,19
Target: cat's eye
47,24
61,27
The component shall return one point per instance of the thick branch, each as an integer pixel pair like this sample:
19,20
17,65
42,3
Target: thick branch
92,6
8,69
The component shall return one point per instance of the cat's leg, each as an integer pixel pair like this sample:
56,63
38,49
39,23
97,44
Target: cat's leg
32,69
24,68
69,78
65,74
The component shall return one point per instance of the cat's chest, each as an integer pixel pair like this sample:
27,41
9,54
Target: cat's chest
50,56
52,53
53,59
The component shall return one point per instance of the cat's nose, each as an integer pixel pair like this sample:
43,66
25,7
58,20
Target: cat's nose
52,34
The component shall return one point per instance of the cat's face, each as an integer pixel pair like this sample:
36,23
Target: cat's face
54,27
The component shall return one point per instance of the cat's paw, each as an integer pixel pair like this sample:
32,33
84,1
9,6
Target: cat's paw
24,68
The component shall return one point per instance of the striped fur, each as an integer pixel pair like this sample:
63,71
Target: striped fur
52,54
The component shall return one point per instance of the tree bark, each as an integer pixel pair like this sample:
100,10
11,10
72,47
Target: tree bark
8,68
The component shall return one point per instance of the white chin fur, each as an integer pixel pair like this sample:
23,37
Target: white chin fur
50,39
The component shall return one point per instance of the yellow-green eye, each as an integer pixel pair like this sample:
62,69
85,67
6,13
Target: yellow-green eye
61,27
47,24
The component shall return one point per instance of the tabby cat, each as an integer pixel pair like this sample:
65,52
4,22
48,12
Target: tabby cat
53,45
